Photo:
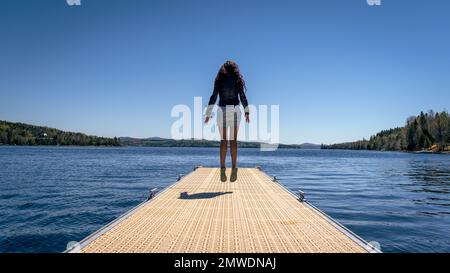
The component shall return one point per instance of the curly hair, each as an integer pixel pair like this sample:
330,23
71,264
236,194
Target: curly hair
231,69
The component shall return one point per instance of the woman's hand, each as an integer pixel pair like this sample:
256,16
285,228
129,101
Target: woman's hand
247,117
207,119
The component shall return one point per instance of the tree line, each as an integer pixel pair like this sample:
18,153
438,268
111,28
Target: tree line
26,134
162,142
425,132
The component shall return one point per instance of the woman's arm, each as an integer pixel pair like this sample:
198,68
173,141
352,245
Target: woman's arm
212,101
244,102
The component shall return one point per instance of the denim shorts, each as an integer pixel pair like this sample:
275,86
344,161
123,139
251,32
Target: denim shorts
229,116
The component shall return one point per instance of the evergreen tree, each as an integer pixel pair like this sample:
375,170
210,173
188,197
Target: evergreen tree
423,132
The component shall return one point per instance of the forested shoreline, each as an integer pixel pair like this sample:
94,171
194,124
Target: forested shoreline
22,134
427,132
26,134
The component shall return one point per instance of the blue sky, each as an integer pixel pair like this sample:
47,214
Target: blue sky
340,70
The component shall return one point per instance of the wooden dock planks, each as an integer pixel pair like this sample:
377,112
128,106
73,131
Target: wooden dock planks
201,214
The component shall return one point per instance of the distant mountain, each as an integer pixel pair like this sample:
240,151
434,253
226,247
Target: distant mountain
310,146
130,139
156,138
26,134
165,142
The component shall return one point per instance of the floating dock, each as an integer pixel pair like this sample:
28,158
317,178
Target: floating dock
201,214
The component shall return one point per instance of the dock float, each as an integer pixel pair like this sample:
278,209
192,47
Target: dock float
201,214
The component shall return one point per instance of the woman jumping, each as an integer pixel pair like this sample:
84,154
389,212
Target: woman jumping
230,86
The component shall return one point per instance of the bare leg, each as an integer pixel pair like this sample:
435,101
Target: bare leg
233,144
233,148
223,146
223,153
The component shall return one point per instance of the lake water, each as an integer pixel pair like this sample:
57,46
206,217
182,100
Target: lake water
52,195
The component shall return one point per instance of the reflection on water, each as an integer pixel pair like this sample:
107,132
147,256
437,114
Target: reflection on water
50,196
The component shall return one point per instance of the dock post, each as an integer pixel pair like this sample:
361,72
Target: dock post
301,196
152,193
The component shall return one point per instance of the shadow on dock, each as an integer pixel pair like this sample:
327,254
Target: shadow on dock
202,195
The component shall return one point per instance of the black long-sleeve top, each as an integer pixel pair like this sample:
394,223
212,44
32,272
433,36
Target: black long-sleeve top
229,92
